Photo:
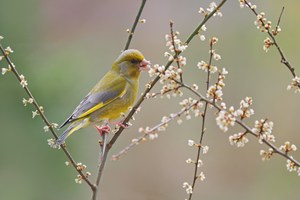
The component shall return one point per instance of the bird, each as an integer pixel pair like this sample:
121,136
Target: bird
110,97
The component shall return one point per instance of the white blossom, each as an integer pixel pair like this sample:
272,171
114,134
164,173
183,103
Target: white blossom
191,143
201,176
238,139
205,149
188,188
52,143
224,119
46,128
291,166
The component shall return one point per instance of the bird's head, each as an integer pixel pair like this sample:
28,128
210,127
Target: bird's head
130,63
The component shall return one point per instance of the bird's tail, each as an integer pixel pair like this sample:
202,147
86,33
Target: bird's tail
75,126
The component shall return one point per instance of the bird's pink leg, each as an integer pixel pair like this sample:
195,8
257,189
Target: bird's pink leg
102,129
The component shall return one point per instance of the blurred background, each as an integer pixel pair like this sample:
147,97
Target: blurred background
63,47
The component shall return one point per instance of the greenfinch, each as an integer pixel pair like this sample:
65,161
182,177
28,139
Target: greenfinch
110,97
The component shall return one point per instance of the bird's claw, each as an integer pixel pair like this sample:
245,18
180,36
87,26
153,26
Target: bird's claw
122,124
103,129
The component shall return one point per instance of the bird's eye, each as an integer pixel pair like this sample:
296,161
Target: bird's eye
134,61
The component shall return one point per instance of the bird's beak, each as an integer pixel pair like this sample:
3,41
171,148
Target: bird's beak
144,65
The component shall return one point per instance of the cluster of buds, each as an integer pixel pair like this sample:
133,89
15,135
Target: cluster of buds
27,101
174,43
5,70
52,143
168,78
152,133
288,147
7,51
203,29
291,166
191,105
79,178
213,41
23,81
226,119
295,84
206,67
262,23
37,112
211,8
238,139
276,30
192,143
80,166
266,155
199,163
188,188
263,130
53,125
215,91
267,44
245,111
244,3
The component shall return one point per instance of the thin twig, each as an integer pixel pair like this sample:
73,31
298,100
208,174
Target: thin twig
283,58
176,51
279,18
203,120
135,24
43,116
153,130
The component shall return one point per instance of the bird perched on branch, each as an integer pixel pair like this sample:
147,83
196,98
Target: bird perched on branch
110,97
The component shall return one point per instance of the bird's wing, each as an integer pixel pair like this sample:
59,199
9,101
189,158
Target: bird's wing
102,94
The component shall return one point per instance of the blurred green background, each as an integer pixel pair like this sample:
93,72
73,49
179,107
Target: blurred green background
64,46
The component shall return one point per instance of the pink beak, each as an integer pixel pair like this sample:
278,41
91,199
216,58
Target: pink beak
144,65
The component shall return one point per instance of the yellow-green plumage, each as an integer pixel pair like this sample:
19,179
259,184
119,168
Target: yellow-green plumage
111,96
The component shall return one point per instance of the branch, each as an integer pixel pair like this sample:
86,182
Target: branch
242,124
43,116
152,130
134,25
203,121
274,41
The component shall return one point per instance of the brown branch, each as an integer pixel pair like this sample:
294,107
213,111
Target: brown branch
152,130
135,24
283,58
242,124
43,116
176,51
203,121
279,19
